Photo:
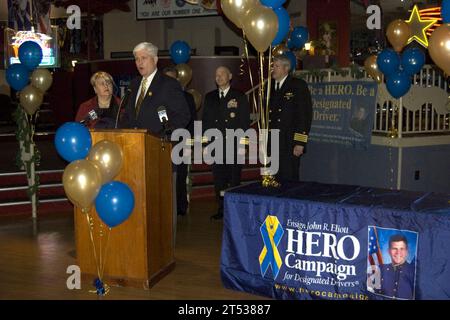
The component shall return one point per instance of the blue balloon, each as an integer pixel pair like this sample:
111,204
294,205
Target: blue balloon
73,141
180,52
30,54
292,58
398,84
290,43
413,60
445,11
274,4
17,76
299,36
388,62
114,203
283,25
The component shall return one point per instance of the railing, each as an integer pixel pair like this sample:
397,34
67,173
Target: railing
24,187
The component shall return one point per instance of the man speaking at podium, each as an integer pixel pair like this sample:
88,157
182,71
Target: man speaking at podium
155,102
150,91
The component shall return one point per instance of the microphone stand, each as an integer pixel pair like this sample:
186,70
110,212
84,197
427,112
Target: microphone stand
166,132
125,99
162,144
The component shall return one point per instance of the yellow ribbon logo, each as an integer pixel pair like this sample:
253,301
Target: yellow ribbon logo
271,232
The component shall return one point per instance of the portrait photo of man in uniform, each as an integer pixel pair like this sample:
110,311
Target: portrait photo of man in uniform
392,260
359,121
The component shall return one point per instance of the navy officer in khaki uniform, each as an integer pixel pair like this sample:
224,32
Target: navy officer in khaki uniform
290,111
397,277
225,108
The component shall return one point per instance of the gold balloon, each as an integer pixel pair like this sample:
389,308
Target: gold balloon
279,49
82,181
31,99
398,33
235,10
184,74
197,98
108,156
371,67
439,47
261,27
41,79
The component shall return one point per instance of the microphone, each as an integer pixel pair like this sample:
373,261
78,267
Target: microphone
124,102
92,115
164,119
162,114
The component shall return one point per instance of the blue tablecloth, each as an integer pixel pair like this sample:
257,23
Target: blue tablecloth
309,240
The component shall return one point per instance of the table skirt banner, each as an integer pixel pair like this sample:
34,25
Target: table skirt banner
318,241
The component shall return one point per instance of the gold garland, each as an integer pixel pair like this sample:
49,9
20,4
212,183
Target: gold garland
25,136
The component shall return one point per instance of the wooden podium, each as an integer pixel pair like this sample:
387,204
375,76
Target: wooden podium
140,251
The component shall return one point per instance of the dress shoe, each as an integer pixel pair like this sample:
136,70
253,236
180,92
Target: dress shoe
181,213
217,216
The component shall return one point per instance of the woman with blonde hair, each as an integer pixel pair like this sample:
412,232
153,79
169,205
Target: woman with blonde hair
101,110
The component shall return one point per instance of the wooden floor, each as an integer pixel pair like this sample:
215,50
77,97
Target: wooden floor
34,260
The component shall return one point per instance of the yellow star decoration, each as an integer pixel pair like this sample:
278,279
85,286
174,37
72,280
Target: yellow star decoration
419,27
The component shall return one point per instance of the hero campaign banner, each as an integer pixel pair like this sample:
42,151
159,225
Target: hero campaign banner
343,112
304,250
330,260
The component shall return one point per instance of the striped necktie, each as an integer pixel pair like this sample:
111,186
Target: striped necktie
141,96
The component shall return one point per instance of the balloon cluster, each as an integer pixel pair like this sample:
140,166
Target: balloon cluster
439,47
88,175
18,77
398,68
264,23
180,52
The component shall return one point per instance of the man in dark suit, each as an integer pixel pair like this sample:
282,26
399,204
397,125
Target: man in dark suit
151,90
290,111
225,108
182,169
